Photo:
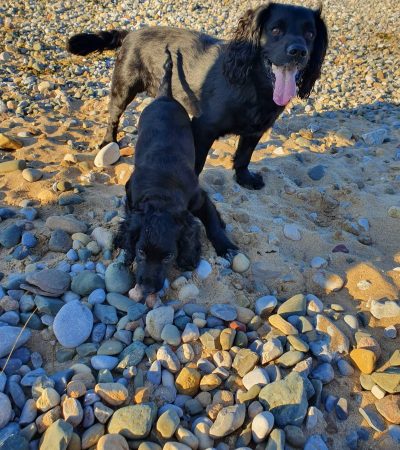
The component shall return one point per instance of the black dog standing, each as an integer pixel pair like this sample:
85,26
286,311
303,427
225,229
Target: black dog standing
163,196
239,86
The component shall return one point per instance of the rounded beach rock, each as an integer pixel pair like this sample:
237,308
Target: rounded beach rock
73,324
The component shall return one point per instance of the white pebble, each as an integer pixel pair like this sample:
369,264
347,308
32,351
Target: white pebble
261,426
108,155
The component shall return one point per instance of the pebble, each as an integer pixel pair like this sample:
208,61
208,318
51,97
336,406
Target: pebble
292,232
240,263
10,236
372,418
32,175
73,324
114,394
316,173
265,305
167,423
228,420
86,282
383,309
10,335
203,270
261,426
390,332
133,422
188,292
66,223
364,359
118,278
389,408
225,312
12,166
157,318
5,410
286,399
99,362
107,155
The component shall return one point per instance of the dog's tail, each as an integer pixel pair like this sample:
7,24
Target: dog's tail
85,43
165,89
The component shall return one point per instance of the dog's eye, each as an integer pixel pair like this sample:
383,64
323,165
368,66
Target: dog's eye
141,254
309,35
276,31
168,258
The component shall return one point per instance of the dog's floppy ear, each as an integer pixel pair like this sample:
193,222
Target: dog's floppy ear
245,44
128,235
313,69
189,245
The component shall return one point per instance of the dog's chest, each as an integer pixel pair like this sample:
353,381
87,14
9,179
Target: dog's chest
256,117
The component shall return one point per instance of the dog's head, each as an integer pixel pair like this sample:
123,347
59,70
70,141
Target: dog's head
289,44
156,240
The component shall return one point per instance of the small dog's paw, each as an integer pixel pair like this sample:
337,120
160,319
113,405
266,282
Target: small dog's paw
250,180
230,254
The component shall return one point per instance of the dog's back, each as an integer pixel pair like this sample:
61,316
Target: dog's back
165,151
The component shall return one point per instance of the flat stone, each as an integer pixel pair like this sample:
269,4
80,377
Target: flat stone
292,232
286,399
383,309
372,418
32,175
5,410
338,342
389,380
389,408
58,436
282,325
53,281
364,359
12,166
228,420
114,394
296,305
60,241
67,223
134,421
73,324
9,336
225,312
86,282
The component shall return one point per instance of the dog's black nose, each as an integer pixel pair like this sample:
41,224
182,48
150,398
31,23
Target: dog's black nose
297,51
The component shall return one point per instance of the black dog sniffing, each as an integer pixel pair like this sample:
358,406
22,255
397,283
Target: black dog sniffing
239,86
164,196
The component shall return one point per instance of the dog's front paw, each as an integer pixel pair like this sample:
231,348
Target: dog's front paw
249,180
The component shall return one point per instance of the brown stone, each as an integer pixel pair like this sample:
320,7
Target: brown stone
9,143
45,420
389,408
123,172
76,389
142,395
210,382
112,442
113,393
282,325
338,341
364,359
188,381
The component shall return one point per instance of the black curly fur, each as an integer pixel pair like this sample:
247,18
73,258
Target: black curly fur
84,43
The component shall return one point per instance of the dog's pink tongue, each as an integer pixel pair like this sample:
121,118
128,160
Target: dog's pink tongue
285,85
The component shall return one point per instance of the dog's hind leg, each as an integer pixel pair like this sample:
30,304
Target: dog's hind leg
122,93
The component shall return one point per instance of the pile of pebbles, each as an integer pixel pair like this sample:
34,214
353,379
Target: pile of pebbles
174,374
